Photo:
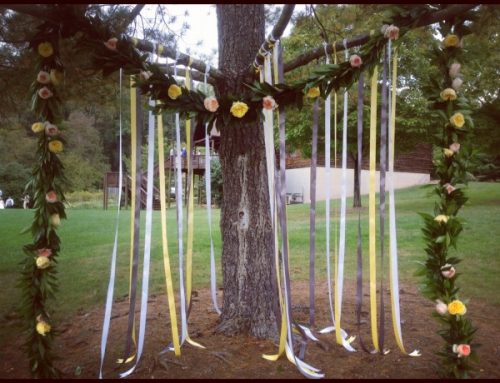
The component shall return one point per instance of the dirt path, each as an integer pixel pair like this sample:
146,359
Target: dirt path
240,357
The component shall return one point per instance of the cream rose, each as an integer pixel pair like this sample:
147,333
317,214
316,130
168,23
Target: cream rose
448,94
455,147
211,104
42,262
448,152
43,77
355,61
441,218
51,129
269,103
441,307
45,93
448,271
451,41
55,220
454,70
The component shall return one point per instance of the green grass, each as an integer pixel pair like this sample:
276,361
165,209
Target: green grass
87,240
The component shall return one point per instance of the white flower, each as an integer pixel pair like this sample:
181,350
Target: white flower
454,70
441,307
457,83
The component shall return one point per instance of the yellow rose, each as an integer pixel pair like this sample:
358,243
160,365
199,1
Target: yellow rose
38,127
56,76
239,109
441,218
448,94
313,92
42,262
42,328
448,152
174,91
55,220
55,146
45,49
451,41
457,120
456,308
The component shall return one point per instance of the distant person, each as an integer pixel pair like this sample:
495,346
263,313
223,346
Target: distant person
9,202
2,206
184,152
26,201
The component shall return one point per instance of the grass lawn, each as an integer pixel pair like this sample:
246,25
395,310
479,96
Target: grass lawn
87,240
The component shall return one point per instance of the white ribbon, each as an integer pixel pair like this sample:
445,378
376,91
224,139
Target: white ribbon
147,241
112,273
208,192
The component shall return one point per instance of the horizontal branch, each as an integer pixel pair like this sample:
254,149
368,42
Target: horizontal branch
318,52
195,75
279,28
41,12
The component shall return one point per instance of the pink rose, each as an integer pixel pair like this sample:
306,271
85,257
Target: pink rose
457,83
355,61
269,103
45,93
43,77
449,188
391,32
211,104
44,252
51,129
454,70
455,147
441,307
111,43
448,271
51,196
461,350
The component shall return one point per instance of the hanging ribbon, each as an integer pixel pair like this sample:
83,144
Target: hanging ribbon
164,240
393,253
339,280
112,273
383,166
135,211
359,273
371,209
312,211
303,367
147,240
208,192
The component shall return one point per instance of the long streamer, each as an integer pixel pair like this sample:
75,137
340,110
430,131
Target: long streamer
371,209
393,254
136,119
164,239
342,240
383,166
112,273
147,241
359,273
208,195
312,212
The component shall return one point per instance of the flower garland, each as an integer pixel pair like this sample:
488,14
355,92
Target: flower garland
38,281
441,231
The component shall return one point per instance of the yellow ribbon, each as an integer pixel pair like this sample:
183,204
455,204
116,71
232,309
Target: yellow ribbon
371,209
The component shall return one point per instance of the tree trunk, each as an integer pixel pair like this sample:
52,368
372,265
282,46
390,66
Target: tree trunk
356,201
250,300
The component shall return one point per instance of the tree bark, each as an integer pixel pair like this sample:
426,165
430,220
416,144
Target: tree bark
250,300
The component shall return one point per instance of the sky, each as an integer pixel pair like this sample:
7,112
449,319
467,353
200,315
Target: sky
202,21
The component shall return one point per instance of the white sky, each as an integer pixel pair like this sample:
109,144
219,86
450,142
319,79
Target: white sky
202,21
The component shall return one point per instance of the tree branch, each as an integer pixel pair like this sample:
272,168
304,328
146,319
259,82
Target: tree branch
41,12
318,52
279,28
131,17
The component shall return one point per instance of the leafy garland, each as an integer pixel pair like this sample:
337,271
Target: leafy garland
441,231
107,53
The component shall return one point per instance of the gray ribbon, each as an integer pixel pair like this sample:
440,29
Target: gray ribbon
383,166
312,211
